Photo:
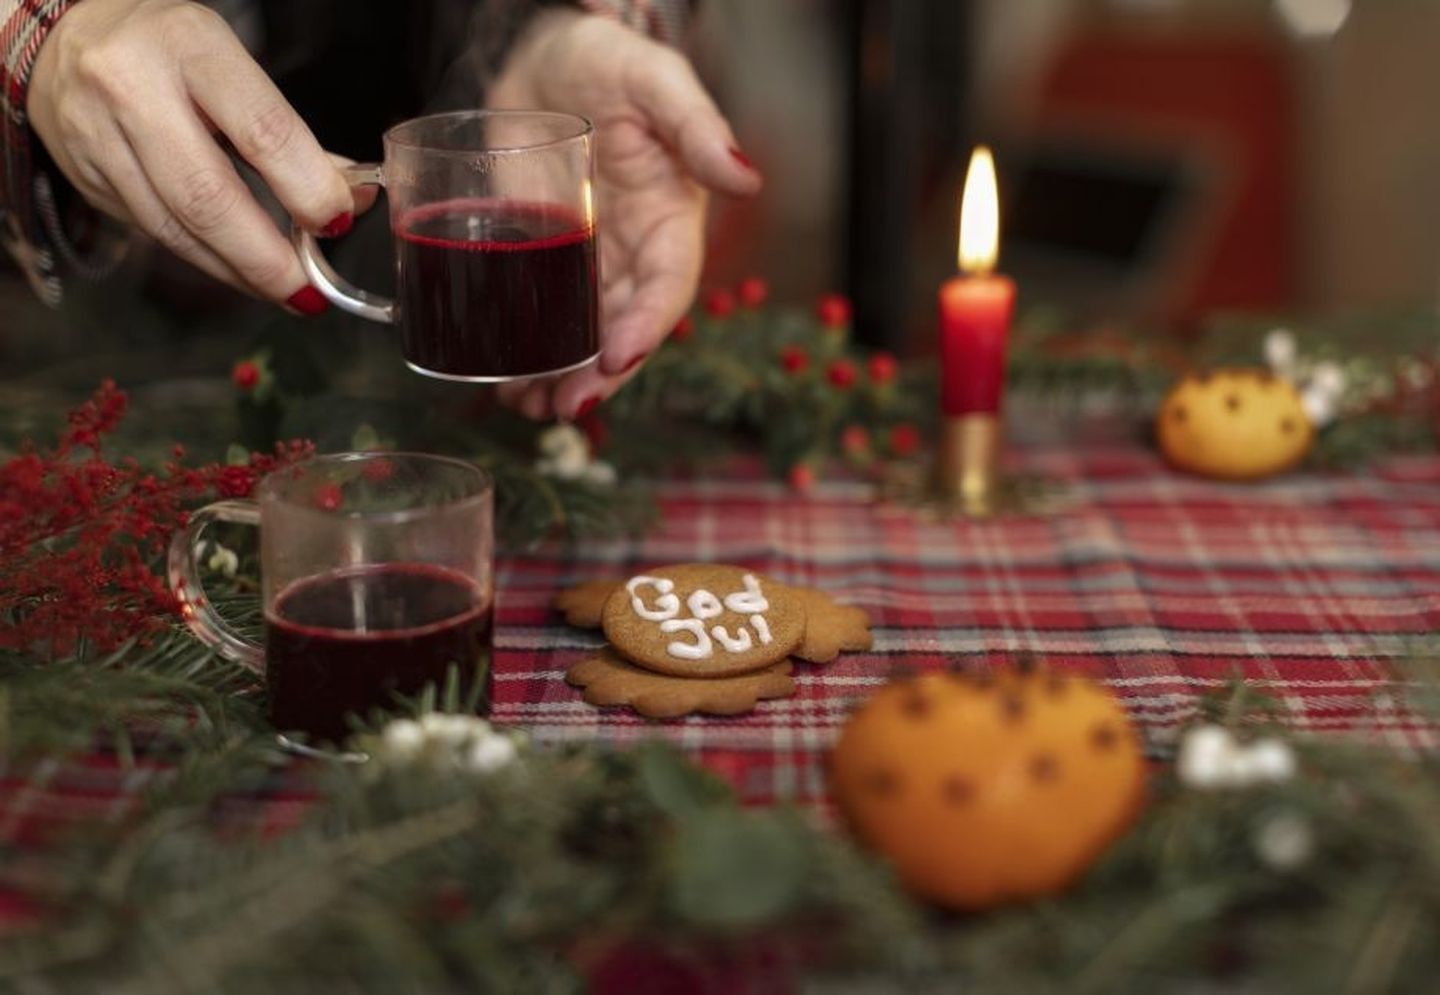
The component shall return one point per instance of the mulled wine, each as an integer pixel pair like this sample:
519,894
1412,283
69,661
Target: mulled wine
350,640
496,288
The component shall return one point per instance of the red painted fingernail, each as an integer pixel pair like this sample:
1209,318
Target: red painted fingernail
743,159
635,362
586,406
338,225
308,301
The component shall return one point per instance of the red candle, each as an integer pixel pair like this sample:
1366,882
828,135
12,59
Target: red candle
975,308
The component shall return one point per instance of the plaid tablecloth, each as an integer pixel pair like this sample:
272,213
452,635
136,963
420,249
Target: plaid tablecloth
1163,586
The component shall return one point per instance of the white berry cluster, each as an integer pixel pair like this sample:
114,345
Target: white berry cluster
565,455
1321,384
440,741
1284,842
222,559
1211,758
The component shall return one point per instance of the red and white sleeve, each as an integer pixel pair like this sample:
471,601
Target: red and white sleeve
663,20
23,26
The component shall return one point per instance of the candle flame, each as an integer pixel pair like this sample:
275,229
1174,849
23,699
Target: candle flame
979,215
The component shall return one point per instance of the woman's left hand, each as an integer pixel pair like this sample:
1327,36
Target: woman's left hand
660,145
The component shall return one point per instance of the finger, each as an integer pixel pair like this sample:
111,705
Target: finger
201,189
614,298
510,392
242,102
536,402
364,197
667,268
578,393
666,88
141,204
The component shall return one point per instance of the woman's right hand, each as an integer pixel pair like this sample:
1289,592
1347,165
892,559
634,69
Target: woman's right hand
129,96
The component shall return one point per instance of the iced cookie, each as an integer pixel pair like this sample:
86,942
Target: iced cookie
609,679
584,603
704,620
831,627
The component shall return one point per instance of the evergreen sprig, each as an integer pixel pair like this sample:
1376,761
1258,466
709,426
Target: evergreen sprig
535,877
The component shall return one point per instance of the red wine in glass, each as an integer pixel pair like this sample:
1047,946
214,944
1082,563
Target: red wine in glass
352,639
496,288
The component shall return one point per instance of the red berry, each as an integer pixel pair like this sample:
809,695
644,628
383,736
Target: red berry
801,477
719,303
245,375
752,292
684,328
449,903
328,497
833,310
904,439
794,359
854,440
882,368
841,374
378,471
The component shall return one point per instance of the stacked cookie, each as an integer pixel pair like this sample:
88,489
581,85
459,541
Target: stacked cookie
703,637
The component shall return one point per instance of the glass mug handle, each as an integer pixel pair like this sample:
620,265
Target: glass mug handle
338,290
183,575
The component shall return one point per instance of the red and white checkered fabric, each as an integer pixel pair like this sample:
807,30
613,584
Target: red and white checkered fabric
1164,587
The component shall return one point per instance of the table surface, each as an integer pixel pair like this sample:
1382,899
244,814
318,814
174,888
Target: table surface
1163,586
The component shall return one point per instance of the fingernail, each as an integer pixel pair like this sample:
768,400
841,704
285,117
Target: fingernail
635,362
308,301
338,225
743,159
586,406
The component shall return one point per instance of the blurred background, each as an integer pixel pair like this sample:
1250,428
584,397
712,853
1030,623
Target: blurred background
1162,161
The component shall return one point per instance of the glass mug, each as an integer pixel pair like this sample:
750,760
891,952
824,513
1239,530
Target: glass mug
494,226
376,579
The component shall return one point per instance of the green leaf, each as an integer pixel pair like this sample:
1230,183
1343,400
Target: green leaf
674,785
365,438
737,869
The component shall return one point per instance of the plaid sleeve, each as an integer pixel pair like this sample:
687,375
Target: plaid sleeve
23,26
663,20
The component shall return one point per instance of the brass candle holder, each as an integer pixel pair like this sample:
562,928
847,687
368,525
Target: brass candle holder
967,467
967,479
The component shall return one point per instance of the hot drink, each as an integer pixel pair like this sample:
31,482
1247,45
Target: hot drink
496,288
351,639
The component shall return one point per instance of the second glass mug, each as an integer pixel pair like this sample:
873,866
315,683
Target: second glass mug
494,224
376,573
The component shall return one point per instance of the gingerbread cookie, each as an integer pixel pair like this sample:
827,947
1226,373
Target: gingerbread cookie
609,679
583,604
831,627
704,620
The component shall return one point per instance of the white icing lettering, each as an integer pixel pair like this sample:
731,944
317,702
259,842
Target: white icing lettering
703,604
749,601
666,606
737,644
701,649
762,629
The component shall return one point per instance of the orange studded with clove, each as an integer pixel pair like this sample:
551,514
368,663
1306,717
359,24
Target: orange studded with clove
1233,424
987,791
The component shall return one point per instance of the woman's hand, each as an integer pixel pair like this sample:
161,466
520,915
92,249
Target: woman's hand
132,97
660,143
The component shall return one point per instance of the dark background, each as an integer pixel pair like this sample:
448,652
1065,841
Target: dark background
1160,161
